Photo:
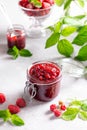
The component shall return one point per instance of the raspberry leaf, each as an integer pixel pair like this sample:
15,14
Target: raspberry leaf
25,53
70,114
52,40
67,4
82,54
16,120
76,103
5,114
65,47
36,3
68,30
83,115
81,3
59,2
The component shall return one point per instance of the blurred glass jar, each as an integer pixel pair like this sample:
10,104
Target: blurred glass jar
16,36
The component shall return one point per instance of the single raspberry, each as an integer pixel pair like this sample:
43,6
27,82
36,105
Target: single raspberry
53,107
57,113
63,107
21,102
2,98
13,109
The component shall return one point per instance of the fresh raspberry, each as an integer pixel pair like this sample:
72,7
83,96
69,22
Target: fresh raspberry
63,107
53,107
2,98
13,109
57,113
20,102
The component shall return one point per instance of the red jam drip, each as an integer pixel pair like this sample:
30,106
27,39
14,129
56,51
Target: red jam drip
44,72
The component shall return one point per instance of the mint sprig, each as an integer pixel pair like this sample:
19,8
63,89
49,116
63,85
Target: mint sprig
36,3
69,25
12,118
15,52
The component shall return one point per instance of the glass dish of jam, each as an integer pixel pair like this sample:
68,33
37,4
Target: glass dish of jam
43,80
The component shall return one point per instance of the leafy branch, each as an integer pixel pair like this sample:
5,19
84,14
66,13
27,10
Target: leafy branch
69,25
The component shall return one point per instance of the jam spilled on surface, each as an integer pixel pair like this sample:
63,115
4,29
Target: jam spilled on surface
46,77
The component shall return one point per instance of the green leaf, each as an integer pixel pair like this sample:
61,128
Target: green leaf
83,115
36,3
71,21
65,47
76,103
79,17
70,114
59,2
16,120
81,3
25,53
82,54
52,40
5,114
14,52
81,38
67,3
51,28
57,27
68,30
84,107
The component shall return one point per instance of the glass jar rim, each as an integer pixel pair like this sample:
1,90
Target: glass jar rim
58,78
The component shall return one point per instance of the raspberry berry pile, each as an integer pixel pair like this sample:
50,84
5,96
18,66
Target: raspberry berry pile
58,109
36,7
12,110
44,72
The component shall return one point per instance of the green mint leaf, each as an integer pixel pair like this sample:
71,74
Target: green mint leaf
52,40
68,30
79,17
83,115
75,103
67,4
81,3
81,38
51,28
71,21
5,114
82,54
70,114
57,27
59,2
16,120
84,107
36,3
65,47
25,53
14,52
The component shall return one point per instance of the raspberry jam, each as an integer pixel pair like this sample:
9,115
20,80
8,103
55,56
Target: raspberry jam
16,37
46,77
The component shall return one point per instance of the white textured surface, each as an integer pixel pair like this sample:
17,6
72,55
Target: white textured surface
13,76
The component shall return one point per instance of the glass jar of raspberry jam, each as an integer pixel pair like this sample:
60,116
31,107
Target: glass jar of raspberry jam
43,81
16,36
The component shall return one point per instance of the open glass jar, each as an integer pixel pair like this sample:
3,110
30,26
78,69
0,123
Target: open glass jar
16,36
43,81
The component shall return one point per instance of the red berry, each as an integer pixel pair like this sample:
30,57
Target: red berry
45,5
2,98
53,107
13,109
20,102
63,107
57,113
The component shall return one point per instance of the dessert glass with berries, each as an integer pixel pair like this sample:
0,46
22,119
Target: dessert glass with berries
37,11
43,81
